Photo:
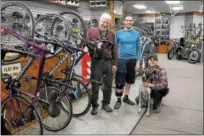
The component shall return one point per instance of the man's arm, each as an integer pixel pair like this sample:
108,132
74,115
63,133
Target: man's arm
138,48
163,83
89,39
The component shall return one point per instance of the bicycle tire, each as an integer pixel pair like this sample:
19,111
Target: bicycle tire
78,16
199,55
83,25
31,33
67,34
171,51
178,53
39,121
68,111
88,94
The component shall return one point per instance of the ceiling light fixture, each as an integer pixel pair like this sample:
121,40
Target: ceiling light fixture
140,6
150,12
173,2
180,7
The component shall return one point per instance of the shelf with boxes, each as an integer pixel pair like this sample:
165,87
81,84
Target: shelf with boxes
162,29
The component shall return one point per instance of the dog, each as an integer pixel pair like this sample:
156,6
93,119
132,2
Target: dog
144,99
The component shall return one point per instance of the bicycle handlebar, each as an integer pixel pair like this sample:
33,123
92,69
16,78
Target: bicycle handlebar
92,44
29,41
64,44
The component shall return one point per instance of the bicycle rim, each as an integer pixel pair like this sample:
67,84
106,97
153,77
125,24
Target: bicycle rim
192,54
78,27
80,97
63,119
26,117
20,22
53,25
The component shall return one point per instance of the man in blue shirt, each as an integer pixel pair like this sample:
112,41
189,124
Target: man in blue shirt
129,56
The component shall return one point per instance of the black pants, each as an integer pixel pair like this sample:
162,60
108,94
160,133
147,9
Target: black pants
157,95
101,69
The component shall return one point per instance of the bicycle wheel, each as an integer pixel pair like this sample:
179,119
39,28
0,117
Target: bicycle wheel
179,54
171,53
195,54
25,118
80,97
63,107
78,26
17,17
55,26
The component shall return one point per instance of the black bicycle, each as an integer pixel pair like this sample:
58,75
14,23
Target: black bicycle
189,52
72,85
173,51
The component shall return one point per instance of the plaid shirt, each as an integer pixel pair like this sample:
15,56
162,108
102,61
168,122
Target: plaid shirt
158,77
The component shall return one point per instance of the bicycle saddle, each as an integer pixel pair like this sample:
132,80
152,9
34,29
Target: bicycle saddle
17,15
54,109
3,18
6,78
59,28
17,26
75,20
27,17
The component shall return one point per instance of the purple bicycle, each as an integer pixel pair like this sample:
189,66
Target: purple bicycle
27,116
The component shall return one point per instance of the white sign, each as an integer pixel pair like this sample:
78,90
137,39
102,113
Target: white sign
12,69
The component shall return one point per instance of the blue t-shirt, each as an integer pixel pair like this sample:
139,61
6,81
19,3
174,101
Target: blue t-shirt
129,44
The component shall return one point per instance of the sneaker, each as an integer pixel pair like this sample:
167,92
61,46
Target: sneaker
137,100
94,110
117,105
157,108
107,108
128,101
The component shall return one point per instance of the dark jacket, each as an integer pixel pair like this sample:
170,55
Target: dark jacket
108,51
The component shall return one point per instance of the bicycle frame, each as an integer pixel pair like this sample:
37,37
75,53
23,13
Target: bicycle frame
64,58
37,50
184,51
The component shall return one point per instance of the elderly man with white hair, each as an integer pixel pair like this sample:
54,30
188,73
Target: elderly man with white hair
103,63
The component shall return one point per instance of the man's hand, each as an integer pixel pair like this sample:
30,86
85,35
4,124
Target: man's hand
138,66
147,84
114,68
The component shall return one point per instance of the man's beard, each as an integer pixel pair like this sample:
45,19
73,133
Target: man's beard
103,29
128,27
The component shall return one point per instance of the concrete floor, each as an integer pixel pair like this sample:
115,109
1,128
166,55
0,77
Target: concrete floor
119,121
182,111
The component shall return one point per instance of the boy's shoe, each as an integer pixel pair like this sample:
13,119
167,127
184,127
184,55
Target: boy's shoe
128,101
107,108
117,105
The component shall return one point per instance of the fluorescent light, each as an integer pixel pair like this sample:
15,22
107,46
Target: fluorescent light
140,6
173,2
149,11
177,7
